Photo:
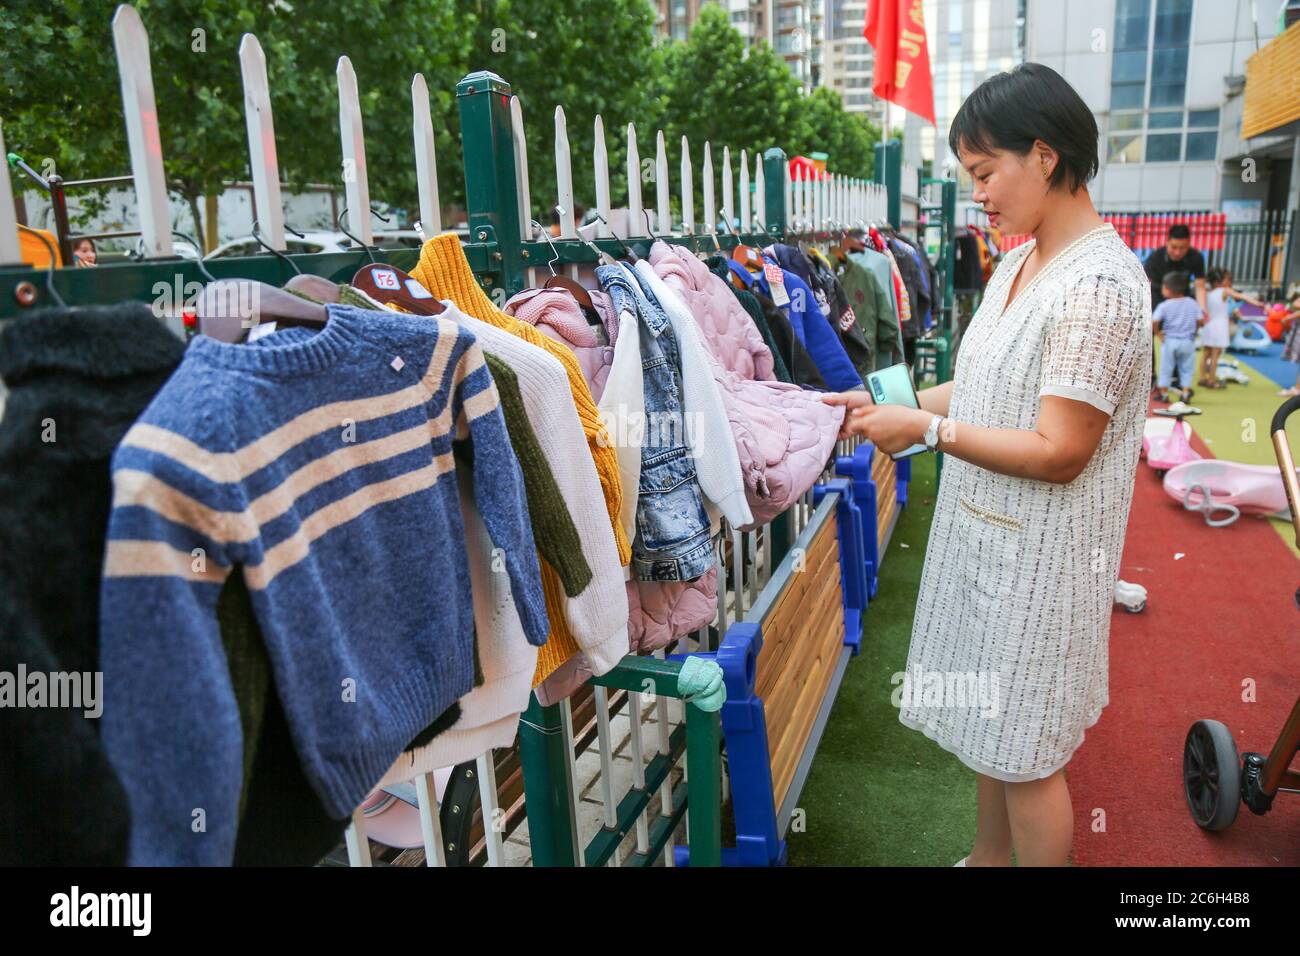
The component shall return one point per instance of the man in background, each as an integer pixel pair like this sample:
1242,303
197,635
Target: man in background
1176,256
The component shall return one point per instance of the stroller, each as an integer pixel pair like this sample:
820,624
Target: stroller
1215,781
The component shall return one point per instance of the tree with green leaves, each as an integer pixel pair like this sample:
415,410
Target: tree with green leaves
58,62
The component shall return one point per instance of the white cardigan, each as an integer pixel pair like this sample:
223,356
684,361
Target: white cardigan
597,617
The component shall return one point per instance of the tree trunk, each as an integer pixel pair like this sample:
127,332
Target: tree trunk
193,200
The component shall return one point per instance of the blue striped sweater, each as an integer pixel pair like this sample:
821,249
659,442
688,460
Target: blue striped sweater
322,464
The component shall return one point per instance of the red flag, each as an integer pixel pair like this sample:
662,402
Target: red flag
896,28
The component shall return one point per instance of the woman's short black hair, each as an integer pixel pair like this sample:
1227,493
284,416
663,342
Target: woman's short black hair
1011,110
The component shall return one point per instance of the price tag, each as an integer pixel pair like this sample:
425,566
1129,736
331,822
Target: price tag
386,279
417,291
776,280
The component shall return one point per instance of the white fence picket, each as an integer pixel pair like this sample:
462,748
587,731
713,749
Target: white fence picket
728,208
144,142
746,223
688,192
262,160
635,220
10,248
426,160
710,209
521,172
601,160
564,176
355,181
663,218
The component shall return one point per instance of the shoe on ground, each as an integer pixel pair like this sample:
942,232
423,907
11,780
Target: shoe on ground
962,861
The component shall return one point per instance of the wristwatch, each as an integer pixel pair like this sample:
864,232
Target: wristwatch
932,433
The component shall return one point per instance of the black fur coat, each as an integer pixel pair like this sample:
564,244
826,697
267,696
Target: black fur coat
77,380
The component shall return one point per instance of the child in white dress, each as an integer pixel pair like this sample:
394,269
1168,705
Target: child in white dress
1215,333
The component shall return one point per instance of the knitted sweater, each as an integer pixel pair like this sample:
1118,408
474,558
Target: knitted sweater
489,715
444,271
318,462
594,621
79,377
553,529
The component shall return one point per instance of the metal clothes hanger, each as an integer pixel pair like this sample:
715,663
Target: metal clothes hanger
557,281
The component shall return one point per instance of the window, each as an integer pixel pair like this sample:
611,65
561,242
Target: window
1202,135
1169,63
1128,72
1164,147
1201,146
1125,149
1149,73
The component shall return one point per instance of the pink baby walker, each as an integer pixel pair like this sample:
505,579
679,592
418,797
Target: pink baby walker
1164,452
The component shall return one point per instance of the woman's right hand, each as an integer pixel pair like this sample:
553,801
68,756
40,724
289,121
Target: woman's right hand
856,398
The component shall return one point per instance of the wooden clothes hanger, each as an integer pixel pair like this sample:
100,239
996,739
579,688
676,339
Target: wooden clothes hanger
389,285
557,281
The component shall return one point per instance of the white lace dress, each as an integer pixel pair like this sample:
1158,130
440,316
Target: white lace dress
1008,660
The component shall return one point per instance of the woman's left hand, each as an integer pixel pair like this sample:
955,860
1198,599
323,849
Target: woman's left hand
891,428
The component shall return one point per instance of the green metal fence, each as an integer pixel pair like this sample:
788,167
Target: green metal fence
505,255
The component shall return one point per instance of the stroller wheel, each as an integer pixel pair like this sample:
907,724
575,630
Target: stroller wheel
1211,775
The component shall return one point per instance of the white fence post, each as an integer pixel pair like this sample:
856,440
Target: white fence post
261,142
636,223
426,161
354,152
601,158
564,176
144,142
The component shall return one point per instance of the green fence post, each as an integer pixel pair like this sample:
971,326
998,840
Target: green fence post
704,771
491,181
889,170
775,168
546,786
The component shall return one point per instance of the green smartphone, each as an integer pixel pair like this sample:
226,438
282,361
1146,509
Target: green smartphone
893,386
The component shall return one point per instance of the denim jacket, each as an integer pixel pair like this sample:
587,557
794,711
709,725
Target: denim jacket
672,541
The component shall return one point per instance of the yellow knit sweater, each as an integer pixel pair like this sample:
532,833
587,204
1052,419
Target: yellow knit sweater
444,271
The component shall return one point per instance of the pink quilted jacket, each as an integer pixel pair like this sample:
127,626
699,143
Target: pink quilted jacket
784,434
660,611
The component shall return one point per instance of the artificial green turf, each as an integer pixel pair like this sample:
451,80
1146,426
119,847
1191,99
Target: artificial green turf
880,794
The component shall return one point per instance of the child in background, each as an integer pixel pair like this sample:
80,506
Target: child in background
1291,346
1214,337
1176,320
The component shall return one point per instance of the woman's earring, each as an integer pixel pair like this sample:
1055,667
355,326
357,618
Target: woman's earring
1046,172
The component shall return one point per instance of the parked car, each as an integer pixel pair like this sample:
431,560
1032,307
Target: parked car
310,242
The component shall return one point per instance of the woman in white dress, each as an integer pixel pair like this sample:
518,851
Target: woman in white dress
1041,428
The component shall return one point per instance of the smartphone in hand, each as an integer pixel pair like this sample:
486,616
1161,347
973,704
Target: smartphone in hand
893,386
